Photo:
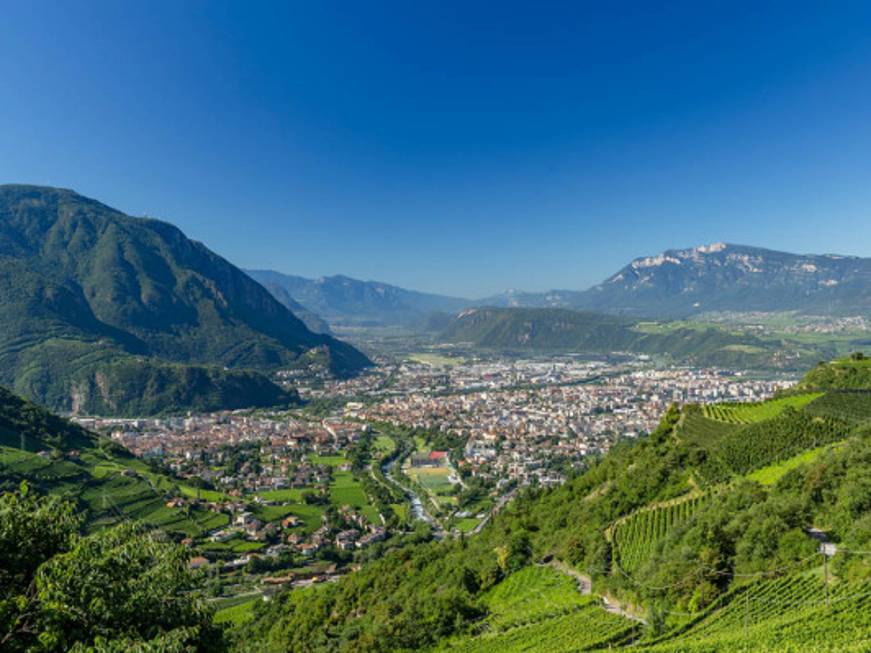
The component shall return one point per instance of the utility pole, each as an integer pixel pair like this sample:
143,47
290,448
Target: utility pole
746,611
826,576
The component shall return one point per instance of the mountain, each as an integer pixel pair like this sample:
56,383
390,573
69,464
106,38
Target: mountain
720,277
312,320
556,329
96,306
344,301
703,536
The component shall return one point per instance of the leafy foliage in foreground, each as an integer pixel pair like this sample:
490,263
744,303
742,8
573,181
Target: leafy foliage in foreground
122,589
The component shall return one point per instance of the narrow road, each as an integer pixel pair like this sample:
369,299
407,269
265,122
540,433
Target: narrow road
499,505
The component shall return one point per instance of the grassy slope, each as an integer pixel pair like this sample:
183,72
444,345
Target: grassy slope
106,481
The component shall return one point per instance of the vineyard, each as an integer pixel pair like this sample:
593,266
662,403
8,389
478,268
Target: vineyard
763,443
587,627
635,539
855,406
530,595
698,429
750,413
787,614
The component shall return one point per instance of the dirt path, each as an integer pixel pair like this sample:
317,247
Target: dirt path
585,586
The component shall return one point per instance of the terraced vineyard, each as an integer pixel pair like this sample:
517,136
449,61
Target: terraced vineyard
750,413
763,443
634,540
589,627
108,492
853,406
530,595
108,484
788,614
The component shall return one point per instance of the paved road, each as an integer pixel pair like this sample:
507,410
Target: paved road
499,505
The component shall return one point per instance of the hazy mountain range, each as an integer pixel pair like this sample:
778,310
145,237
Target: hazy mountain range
344,301
102,312
674,284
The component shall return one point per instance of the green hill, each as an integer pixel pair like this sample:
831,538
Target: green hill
93,301
556,329
844,374
702,532
106,482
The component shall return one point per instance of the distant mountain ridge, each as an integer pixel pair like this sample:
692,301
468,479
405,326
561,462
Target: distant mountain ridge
724,277
680,283
93,301
562,330
344,301
677,283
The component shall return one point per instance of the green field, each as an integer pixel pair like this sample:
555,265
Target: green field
772,473
332,461
290,495
466,524
434,481
347,490
236,610
435,360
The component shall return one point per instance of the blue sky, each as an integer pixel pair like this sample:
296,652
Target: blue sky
461,148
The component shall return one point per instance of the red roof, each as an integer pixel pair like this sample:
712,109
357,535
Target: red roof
438,455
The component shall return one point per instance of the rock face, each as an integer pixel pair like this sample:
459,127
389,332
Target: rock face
726,277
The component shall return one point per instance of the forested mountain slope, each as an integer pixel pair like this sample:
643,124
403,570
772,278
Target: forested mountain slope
93,301
706,532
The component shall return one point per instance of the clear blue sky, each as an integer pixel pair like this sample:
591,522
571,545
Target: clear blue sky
459,147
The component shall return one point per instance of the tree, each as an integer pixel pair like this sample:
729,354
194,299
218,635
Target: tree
126,588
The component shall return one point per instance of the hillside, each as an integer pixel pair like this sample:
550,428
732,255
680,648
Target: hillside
89,295
552,329
844,374
312,320
107,484
344,301
679,283
703,536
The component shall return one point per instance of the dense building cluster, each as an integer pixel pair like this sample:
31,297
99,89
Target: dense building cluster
517,417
